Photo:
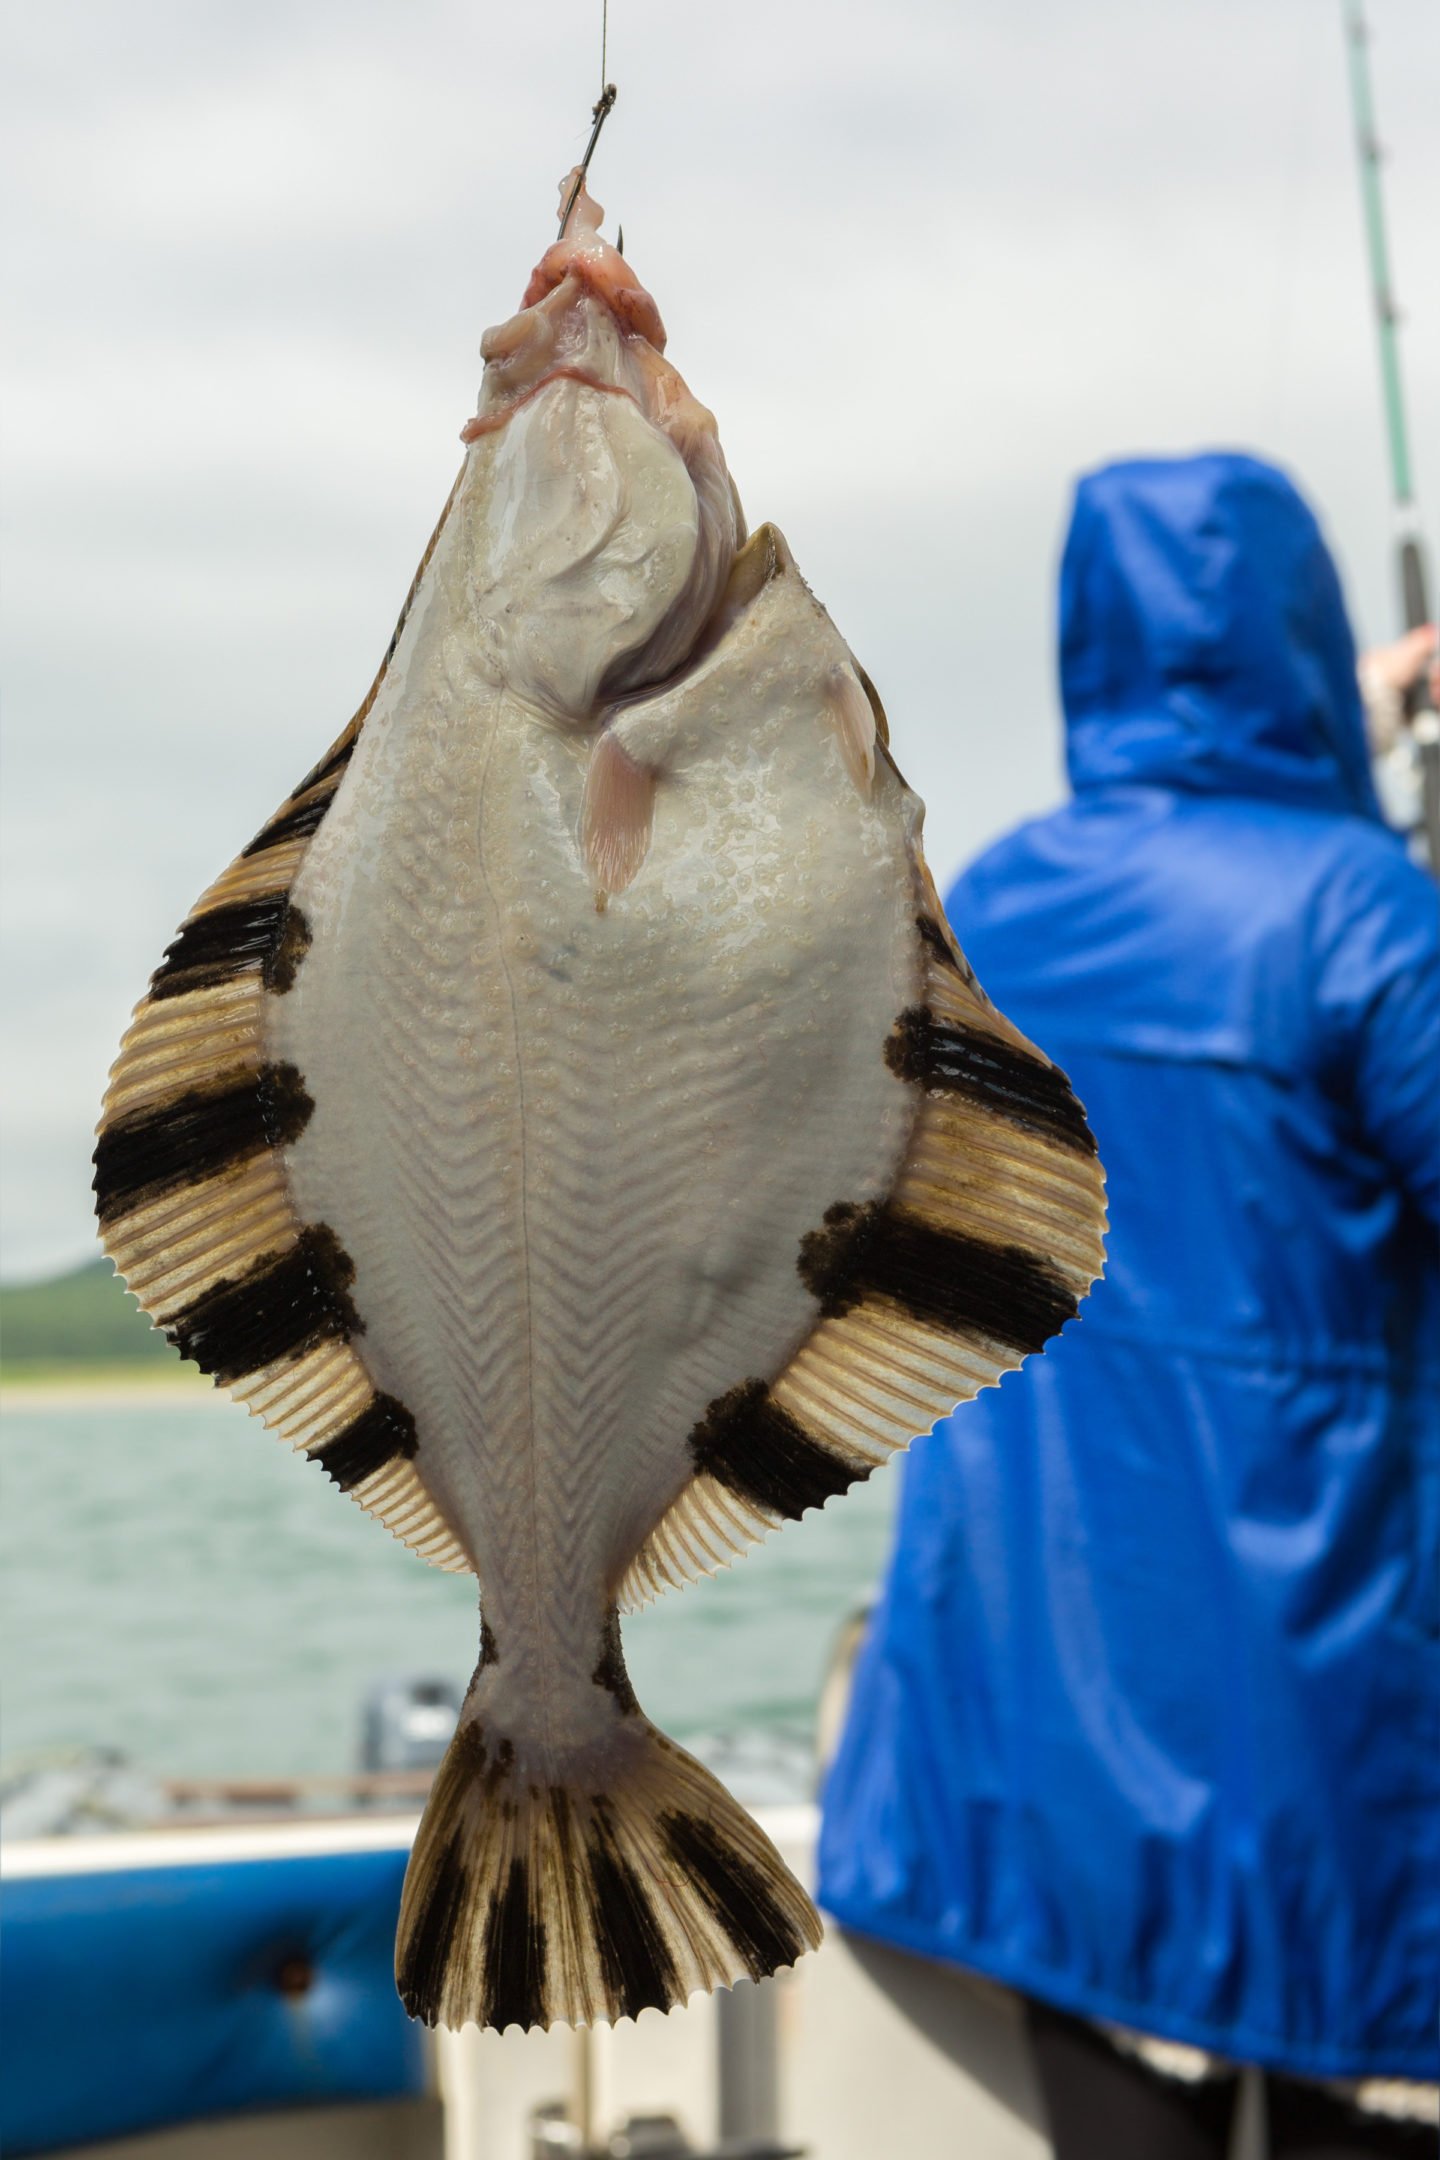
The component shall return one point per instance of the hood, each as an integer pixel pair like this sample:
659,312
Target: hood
1203,639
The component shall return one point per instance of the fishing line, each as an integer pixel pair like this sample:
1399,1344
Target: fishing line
599,114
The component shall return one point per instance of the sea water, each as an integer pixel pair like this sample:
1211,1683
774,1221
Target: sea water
178,1587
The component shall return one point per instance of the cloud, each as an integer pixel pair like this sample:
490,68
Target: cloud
925,260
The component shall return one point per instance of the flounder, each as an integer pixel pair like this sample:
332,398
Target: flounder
571,1123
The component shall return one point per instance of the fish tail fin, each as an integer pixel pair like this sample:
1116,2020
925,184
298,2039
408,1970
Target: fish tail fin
633,1883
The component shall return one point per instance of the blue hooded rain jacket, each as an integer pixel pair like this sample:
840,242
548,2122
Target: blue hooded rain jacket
1148,1724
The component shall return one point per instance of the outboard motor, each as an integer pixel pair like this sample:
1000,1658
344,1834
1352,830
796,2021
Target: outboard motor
409,1723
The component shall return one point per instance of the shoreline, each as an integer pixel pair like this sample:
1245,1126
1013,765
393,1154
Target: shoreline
107,1387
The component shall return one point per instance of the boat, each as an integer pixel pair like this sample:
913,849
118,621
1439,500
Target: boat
220,1989
218,1985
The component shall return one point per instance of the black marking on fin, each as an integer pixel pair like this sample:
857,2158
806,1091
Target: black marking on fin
964,1284
610,1673
221,943
750,1444
634,1955
289,950
425,1954
939,944
279,1309
384,1430
392,648
443,1891
737,1894
832,1259
303,819
489,1652
333,762
196,1135
934,1054
515,1955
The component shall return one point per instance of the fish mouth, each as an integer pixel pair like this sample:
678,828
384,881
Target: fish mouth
585,317
585,320
582,327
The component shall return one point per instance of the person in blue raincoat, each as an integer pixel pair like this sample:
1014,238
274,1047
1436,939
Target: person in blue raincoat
1148,1722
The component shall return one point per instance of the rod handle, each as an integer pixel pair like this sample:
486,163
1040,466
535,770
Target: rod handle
1415,601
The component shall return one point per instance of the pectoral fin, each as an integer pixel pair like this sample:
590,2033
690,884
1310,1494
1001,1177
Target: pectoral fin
617,815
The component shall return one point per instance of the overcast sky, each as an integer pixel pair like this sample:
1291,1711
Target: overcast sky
925,259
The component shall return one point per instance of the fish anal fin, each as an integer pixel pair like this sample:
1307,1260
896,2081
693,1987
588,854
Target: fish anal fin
707,1528
989,1238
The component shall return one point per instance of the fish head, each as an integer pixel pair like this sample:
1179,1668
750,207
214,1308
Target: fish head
606,522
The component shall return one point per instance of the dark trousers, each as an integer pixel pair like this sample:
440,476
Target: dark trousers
1105,2105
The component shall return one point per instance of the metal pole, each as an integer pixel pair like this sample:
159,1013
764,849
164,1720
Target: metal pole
1414,597
749,2061
1386,314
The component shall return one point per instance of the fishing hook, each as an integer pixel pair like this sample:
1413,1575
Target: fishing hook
600,114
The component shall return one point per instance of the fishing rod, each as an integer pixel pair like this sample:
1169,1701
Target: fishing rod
1414,580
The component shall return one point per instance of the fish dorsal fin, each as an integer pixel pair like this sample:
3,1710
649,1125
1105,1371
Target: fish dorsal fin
194,1203
989,1237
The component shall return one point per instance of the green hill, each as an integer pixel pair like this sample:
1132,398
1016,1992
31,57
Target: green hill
83,1318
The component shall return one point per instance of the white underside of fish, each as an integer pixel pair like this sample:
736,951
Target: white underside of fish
571,1123
572,1149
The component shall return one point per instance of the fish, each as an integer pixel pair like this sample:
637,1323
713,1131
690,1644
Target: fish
571,1124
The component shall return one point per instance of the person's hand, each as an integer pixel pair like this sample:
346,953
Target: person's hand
1387,673
1401,664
